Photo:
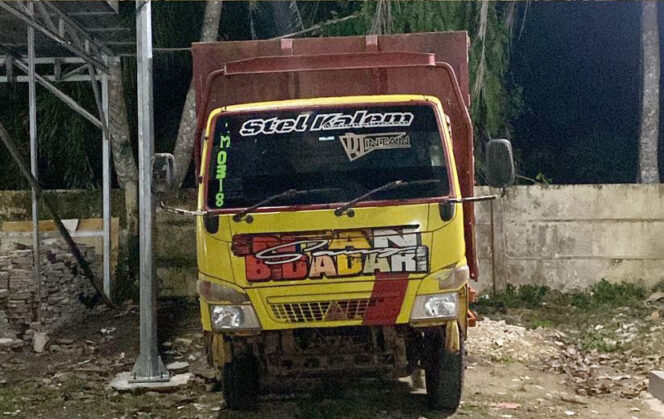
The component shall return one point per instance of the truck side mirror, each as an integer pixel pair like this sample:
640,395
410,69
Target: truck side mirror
163,170
499,163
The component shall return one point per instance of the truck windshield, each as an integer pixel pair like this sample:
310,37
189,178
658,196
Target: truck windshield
341,151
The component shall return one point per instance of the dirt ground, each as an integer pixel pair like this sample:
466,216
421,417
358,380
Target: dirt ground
512,371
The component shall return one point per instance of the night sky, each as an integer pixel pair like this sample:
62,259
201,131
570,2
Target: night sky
579,66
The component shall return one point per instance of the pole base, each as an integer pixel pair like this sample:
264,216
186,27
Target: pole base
149,369
122,384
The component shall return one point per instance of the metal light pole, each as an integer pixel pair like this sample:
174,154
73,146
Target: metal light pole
148,367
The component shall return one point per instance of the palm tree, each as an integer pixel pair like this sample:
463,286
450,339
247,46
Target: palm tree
123,160
184,142
648,171
490,26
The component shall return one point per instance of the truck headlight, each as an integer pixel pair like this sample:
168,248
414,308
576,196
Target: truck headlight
435,306
233,317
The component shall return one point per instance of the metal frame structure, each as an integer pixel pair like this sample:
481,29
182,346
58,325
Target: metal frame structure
86,58
56,25
88,64
71,69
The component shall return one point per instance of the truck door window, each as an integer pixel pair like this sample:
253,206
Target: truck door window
346,150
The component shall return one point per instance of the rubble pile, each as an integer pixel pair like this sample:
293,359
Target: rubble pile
592,373
623,370
188,355
63,290
501,342
4,296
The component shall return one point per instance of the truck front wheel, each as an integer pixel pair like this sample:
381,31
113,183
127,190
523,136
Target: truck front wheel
240,382
444,373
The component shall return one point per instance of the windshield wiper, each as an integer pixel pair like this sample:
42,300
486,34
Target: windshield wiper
290,193
386,187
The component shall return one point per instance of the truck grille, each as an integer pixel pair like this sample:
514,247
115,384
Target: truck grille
316,311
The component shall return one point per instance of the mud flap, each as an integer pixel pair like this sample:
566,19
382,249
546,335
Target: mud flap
452,337
219,351
472,318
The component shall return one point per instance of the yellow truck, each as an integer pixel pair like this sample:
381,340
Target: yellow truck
335,232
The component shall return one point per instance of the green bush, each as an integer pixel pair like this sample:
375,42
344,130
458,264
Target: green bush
527,296
623,293
603,294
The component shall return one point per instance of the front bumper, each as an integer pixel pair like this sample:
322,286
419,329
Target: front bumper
381,302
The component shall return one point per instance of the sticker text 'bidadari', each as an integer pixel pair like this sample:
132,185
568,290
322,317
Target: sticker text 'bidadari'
284,256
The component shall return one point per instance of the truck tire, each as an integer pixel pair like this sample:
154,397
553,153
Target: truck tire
240,382
444,374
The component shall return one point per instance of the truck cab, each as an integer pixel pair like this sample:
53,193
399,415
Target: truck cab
335,227
330,213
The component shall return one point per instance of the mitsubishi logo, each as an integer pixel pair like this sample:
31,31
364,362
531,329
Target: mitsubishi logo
335,312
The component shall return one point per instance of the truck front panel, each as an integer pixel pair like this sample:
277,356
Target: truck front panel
296,260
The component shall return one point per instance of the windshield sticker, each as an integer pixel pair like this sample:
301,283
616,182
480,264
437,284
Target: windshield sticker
273,257
358,145
326,122
220,173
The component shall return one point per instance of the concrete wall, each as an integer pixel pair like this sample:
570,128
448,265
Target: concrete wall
565,237
572,236
175,247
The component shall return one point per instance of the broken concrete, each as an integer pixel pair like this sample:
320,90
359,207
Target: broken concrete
6,342
178,366
656,296
182,343
39,341
656,384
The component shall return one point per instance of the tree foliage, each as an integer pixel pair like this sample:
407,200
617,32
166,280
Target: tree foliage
494,101
70,147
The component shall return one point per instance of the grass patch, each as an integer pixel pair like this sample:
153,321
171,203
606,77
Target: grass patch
536,322
603,294
525,296
8,399
502,359
598,339
579,311
540,306
477,409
